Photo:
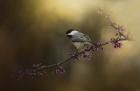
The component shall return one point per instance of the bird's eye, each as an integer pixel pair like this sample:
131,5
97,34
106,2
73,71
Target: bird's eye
70,36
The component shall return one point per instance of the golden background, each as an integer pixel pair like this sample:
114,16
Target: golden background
33,31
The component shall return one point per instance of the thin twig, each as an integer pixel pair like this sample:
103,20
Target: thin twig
37,69
77,54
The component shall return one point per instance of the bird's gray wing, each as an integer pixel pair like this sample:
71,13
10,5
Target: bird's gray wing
83,38
87,38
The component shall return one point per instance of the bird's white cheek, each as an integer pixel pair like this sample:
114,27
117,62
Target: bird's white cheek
73,32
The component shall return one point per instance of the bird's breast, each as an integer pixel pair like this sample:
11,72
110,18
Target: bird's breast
78,44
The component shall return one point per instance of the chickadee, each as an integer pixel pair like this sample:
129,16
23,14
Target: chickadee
79,39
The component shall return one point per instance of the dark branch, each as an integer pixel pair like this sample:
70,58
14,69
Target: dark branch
78,54
40,69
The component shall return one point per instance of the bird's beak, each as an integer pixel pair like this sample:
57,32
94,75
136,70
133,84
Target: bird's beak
69,36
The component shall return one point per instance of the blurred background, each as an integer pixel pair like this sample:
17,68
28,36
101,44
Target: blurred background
33,31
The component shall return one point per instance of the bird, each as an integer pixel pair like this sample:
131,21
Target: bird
79,39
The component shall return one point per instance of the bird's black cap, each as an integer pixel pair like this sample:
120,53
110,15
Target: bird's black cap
69,31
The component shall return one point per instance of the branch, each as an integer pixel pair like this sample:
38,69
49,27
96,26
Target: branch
93,48
115,41
40,69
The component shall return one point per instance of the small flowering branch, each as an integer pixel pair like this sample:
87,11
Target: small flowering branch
116,41
40,70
